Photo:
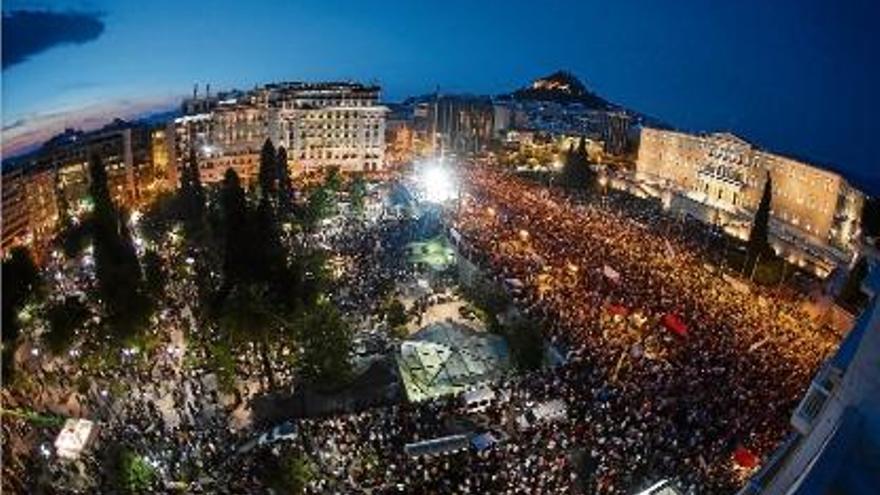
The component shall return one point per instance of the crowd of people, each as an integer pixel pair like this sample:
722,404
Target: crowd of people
644,403
681,403
600,277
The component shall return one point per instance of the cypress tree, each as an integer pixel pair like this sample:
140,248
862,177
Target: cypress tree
192,194
587,175
268,173
852,289
117,269
235,221
285,181
576,172
758,244
270,259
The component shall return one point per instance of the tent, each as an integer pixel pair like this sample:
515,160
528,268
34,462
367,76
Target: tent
74,438
673,323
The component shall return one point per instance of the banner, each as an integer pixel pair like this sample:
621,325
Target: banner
674,324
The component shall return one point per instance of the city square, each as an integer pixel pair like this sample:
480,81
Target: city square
307,287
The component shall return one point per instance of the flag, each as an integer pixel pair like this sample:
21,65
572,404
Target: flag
744,457
674,324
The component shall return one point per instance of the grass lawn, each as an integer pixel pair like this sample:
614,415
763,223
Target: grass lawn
435,253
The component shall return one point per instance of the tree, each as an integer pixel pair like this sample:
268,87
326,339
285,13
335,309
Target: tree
333,180
268,173
318,207
576,171
248,316
871,216
238,242
21,281
74,238
395,316
758,244
154,273
285,181
287,474
65,318
851,294
192,194
129,472
326,341
526,344
357,193
120,281
269,262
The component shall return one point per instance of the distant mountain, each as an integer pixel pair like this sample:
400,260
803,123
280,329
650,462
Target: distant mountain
562,87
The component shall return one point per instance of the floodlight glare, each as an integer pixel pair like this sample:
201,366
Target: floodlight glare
437,183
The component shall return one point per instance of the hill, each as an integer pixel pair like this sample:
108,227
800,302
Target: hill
562,87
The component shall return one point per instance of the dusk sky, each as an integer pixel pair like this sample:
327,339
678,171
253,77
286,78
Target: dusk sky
794,76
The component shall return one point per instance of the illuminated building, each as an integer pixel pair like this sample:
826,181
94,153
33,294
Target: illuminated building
123,148
462,124
334,124
616,132
54,180
320,125
719,178
15,209
30,210
161,143
229,136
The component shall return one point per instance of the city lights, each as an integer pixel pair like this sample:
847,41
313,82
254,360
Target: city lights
486,284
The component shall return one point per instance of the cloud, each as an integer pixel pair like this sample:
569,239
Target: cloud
27,133
18,123
29,32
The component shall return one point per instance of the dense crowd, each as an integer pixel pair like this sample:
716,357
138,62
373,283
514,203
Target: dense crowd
680,403
643,403
599,275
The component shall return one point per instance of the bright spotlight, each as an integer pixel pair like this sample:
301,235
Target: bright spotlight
437,183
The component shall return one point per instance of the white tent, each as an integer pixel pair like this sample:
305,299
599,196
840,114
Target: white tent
74,437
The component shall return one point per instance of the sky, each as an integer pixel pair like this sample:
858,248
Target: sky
797,77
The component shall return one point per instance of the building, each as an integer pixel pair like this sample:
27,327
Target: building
41,187
502,119
320,125
460,124
30,215
230,135
14,216
834,445
330,125
124,150
616,133
719,178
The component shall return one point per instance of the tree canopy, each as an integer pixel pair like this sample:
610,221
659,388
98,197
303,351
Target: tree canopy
326,341
21,280
576,170
120,281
